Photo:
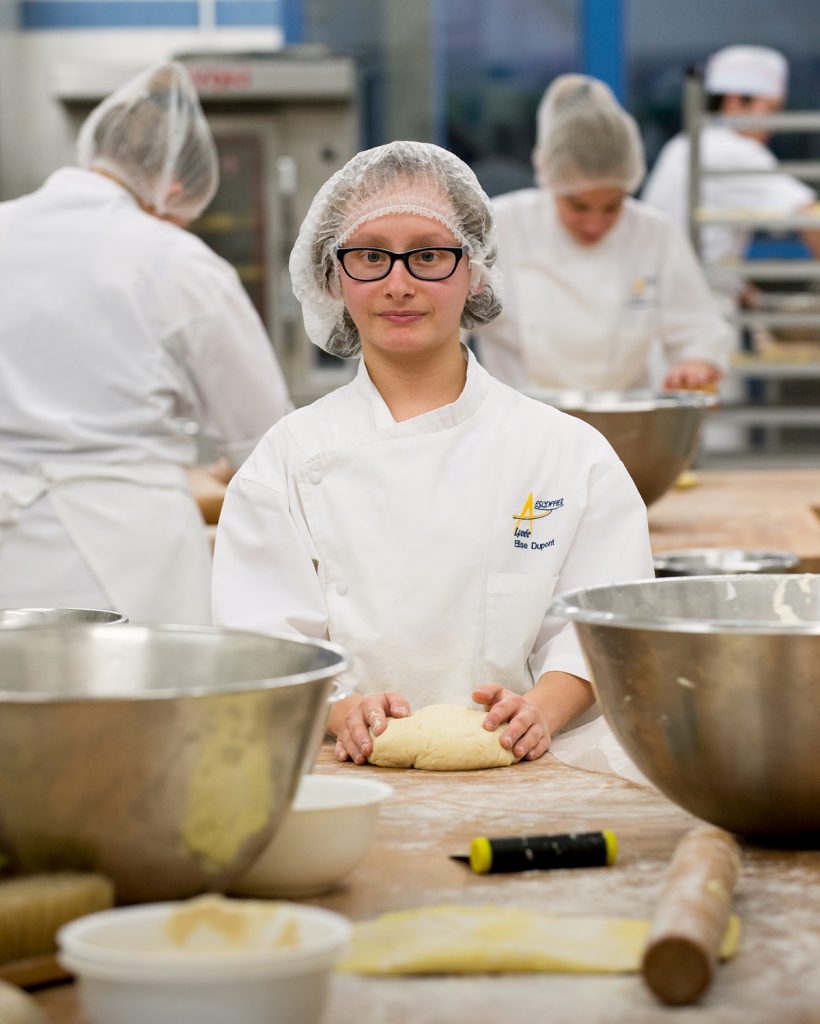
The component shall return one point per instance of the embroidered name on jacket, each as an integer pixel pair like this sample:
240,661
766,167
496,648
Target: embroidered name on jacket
524,522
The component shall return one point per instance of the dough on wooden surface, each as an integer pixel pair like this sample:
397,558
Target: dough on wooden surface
452,939
441,738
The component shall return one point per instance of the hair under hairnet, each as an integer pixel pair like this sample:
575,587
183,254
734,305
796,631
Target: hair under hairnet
152,136
401,177
585,139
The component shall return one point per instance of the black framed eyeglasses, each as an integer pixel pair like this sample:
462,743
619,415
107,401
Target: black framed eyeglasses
432,263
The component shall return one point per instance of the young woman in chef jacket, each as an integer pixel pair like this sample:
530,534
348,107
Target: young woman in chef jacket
596,283
423,515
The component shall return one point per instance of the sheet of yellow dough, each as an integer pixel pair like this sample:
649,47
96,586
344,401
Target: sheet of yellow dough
450,939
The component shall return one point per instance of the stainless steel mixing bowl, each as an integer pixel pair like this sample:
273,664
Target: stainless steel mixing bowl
712,685
722,561
163,756
655,433
57,616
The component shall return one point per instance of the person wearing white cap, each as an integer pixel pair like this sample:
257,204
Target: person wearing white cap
596,281
119,329
423,515
737,80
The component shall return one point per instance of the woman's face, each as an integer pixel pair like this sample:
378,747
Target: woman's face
400,313
590,214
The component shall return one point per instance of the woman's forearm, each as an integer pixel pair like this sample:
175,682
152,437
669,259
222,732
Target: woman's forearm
560,697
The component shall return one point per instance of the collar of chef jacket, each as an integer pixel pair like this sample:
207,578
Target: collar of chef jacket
465,405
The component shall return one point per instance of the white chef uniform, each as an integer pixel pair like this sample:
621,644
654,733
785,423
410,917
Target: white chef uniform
587,316
667,189
116,329
429,548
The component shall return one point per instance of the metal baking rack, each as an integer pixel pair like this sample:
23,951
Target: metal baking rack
763,371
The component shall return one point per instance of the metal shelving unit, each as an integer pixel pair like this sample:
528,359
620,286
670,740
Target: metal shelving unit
760,374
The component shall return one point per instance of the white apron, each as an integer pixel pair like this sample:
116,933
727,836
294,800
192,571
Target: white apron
136,527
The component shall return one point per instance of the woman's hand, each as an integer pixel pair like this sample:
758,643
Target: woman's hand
352,719
528,735
695,375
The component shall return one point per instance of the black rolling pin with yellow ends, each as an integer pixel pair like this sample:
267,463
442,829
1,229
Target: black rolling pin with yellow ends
540,853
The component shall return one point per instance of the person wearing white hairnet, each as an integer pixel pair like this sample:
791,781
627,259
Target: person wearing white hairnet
117,329
594,279
737,80
423,515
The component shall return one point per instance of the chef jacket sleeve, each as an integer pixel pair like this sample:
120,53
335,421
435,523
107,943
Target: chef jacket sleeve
228,357
766,193
264,571
611,544
690,324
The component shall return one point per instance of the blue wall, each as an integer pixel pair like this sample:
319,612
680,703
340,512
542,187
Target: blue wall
86,14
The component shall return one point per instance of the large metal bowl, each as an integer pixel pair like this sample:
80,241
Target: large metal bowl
722,561
712,686
162,756
57,616
655,433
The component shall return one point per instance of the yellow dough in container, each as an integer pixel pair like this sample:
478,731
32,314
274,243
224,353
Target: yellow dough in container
451,939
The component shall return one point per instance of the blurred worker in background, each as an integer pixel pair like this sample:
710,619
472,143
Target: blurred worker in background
738,80
118,328
595,280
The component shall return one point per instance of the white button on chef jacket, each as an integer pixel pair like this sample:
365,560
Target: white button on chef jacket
588,316
450,531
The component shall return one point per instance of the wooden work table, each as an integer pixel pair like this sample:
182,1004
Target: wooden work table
774,977
768,509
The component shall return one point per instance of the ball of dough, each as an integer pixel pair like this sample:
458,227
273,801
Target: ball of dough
441,738
18,1008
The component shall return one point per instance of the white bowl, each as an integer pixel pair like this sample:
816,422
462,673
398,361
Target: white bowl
326,833
132,971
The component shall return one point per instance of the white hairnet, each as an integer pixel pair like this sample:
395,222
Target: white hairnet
585,139
152,136
401,177
747,71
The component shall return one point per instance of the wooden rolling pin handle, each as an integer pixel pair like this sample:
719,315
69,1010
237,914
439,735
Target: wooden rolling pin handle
690,920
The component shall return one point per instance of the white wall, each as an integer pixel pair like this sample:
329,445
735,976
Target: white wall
35,137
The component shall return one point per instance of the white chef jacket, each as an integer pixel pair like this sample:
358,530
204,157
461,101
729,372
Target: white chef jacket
411,544
116,328
667,188
588,316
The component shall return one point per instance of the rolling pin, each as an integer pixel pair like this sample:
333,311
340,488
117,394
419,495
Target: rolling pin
690,920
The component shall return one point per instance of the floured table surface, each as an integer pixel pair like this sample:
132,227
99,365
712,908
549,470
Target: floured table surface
774,977
762,509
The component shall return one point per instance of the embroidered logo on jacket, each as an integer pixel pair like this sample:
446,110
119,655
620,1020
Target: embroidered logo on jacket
643,292
532,511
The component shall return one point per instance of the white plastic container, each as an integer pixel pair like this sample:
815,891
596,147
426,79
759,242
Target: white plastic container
326,833
130,972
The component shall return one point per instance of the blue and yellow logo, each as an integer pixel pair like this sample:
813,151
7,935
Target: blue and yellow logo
533,510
